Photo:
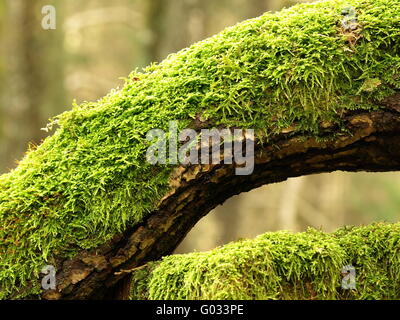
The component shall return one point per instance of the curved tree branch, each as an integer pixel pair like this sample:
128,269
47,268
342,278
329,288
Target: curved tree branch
87,202
371,144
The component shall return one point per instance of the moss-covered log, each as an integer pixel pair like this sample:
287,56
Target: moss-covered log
282,265
319,83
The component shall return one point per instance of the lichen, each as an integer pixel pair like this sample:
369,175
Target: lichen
89,180
282,265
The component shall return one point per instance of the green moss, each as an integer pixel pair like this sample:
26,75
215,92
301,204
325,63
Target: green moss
282,265
90,180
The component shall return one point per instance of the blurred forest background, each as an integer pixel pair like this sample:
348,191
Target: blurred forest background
97,42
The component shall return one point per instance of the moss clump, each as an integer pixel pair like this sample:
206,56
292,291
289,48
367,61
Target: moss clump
89,180
282,265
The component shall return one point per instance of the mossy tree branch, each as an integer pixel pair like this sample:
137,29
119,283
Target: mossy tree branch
321,94
371,144
281,265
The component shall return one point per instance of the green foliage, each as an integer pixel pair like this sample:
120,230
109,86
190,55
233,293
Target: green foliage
90,180
282,265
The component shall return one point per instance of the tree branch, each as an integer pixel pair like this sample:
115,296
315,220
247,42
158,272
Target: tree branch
321,96
371,145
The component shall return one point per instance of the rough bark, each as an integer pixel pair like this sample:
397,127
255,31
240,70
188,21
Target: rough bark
371,144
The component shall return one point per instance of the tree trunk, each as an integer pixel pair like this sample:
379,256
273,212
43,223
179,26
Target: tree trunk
22,111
